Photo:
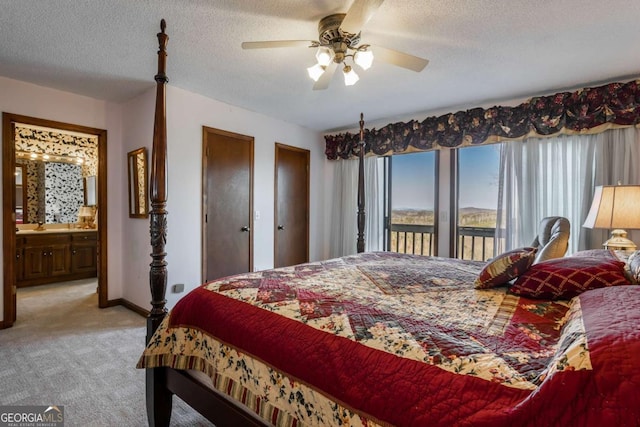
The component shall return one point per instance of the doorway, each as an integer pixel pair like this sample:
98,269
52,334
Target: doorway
227,192
11,258
291,228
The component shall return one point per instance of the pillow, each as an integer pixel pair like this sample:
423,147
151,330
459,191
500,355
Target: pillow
564,278
633,264
597,253
505,267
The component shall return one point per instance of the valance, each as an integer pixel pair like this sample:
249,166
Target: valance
588,110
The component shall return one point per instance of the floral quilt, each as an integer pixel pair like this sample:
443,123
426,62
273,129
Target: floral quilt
392,339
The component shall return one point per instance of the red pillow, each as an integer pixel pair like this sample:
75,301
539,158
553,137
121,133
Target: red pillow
564,278
505,267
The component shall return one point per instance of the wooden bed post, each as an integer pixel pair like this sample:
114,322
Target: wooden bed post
158,396
361,214
158,191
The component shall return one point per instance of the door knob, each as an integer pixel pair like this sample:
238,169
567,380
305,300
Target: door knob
246,229
281,227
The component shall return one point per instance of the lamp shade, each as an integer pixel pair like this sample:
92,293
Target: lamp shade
85,211
615,206
324,55
350,76
364,58
315,72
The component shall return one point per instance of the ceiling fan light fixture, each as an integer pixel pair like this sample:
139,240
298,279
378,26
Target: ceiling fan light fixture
324,55
364,59
315,72
350,76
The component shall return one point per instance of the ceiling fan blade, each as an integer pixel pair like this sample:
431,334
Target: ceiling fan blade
359,14
325,78
398,58
277,43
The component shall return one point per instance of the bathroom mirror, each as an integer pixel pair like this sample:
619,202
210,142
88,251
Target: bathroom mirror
138,183
49,192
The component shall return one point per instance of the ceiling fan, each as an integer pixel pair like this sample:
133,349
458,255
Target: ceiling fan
339,39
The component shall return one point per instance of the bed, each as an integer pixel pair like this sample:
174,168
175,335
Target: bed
381,339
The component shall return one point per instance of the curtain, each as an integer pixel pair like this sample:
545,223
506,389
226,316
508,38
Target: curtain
344,230
557,177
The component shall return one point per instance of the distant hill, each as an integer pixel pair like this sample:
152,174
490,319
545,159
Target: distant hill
468,216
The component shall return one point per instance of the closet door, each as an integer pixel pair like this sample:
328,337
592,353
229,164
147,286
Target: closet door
291,242
227,203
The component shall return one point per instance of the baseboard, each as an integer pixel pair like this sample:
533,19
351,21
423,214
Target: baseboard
128,304
2,324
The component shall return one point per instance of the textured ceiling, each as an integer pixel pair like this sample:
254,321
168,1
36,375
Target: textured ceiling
480,52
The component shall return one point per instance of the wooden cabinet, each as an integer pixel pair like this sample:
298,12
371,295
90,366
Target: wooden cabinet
84,253
55,257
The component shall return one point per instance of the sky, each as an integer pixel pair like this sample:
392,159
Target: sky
413,178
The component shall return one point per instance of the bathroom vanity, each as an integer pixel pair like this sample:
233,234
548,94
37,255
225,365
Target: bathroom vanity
55,255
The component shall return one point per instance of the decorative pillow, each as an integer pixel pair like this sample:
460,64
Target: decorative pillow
505,267
564,278
597,253
633,264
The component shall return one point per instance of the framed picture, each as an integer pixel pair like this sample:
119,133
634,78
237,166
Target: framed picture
138,183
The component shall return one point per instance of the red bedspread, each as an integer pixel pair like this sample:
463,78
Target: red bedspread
407,341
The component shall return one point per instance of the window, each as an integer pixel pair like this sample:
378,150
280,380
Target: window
411,203
476,213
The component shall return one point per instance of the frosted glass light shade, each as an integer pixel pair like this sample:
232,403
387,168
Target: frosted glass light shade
364,59
324,55
350,76
315,72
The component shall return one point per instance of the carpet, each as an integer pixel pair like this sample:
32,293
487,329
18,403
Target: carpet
64,350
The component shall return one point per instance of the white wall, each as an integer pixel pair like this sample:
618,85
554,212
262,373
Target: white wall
187,113
130,126
45,103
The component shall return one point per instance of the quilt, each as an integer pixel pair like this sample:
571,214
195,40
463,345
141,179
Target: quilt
391,339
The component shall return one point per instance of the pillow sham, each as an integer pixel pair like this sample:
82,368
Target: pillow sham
505,267
597,253
564,278
633,264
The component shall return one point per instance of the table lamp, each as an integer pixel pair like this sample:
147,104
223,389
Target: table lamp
85,214
615,207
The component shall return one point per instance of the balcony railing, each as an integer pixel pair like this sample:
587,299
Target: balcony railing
474,243
412,239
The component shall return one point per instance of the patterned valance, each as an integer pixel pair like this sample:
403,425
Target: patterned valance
589,110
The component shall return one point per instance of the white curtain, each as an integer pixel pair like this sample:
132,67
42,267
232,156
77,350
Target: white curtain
344,230
557,177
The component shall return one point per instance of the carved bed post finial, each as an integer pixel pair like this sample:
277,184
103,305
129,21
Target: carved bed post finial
158,192
361,214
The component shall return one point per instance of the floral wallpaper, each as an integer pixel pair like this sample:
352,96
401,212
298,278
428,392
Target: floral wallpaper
40,140
34,172
589,110
62,180
64,192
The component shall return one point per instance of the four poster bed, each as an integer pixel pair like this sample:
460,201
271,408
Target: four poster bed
392,339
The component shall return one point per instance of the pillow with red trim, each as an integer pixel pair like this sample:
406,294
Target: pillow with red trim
564,278
505,267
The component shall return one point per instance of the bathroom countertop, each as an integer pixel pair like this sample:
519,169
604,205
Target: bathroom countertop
54,231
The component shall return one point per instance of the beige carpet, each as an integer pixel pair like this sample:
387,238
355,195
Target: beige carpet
64,350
